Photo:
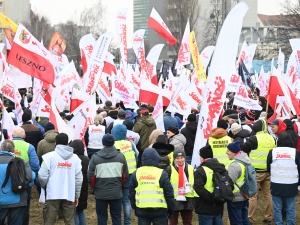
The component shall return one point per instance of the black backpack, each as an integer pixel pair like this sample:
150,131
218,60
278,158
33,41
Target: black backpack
17,173
223,186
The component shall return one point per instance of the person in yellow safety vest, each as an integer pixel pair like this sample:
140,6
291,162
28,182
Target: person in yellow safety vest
238,208
128,149
27,152
219,140
258,146
182,179
209,211
164,150
150,191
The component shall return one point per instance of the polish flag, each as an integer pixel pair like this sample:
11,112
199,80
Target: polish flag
158,114
77,98
157,24
86,45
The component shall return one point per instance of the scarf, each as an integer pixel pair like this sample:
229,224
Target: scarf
183,184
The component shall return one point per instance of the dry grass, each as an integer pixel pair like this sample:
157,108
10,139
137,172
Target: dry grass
36,210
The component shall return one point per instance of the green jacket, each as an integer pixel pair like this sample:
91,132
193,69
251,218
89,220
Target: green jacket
144,127
47,144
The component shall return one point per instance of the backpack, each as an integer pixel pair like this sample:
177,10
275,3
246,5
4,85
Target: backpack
223,186
17,173
249,188
164,162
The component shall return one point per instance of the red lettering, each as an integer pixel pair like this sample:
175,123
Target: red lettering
234,78
181,103
195,97
242,92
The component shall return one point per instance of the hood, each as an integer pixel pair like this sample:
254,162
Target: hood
50,135
64,151
163,149
78,147
289,124
281,127
284,140
119,132
179,137
243,133
192,126
243,157
153,136
129,115
214,165
218,132
150,157
107,152
147,120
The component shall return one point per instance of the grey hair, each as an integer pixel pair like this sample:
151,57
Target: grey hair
8,145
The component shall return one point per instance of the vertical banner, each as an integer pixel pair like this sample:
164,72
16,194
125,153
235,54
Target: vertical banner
122,34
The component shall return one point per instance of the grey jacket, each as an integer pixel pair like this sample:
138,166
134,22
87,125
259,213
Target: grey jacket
110,168
178,141
235,171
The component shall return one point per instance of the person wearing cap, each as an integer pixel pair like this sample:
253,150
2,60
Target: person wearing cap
109,169
120,119
150,191
131,135
48,143
249,118
189,132
175,138
239,133
283,164
219,140
277,126
209,211
129,150
258,146
238,208
61,170
182,179
93,136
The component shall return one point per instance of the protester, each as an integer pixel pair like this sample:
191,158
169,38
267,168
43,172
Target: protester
153,136
164,150
120,119
131,135
291,131
169,121
175,138
277,126
239,134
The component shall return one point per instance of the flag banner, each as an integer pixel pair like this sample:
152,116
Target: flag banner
7,123
157,24
206,55
244,57
263,82
184,55
57,44
3,58
31,57
9,28
158,114
280,61
245,75
99,54
62,61
135,81
121,92
39,106
9,89
180,103
86,46
196,57
241,99
122,34
21,80
152,59
103,89
219,75
77,98
235,81
195,98
139,51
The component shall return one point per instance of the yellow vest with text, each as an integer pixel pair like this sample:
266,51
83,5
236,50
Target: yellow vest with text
241,180
209,185
174,179
265,142
126,148
149,194
219,148
21,149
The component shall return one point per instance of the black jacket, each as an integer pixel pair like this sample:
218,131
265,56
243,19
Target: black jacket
33,134
189,132
79,150
205,204
241,136
290,130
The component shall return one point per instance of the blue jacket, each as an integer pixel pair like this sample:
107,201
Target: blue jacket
9,199
150,157
169,121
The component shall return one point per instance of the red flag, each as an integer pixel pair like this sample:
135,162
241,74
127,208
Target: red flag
157,24
77,98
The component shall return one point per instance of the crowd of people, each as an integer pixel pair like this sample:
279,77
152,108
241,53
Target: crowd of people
131,166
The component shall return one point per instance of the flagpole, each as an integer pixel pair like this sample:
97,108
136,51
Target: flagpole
267,107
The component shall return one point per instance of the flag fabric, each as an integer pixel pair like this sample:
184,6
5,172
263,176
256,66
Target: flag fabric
39,106
245,75
122,34
78,97
184,55
103,90
206,55
9,28
31,57
158,114
21,80
241,99
235,81
199,69
3,58
219,76
86,45
7,123
57,44
152,59
157,24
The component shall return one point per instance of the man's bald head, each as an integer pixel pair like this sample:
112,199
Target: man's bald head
19,132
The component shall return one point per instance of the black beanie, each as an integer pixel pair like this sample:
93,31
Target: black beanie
173,130
27,115
108,140
206,152
49,126
191,117
222,124
62,139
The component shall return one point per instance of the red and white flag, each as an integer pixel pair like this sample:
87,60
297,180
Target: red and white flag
184,55
157,24
20,79
78,97
122,34
158,114
206,55
152,59
7,123
235,81
103,89
86,45
31,57
219,76
39,106
241,99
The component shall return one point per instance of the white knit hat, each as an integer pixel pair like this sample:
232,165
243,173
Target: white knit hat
235,128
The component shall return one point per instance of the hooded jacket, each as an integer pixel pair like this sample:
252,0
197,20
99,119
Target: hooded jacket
284,140
178,141
151,158
47,144
218,132
291,131
144,127
109,165
169,121
189,132
205,203
281,127
79,151
241,136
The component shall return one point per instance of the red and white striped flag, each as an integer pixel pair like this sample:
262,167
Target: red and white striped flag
157,24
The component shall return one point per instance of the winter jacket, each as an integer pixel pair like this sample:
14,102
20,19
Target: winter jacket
178,141
144,127
290,130
47,144
189,132
235,171
150,159
218,132
79,151
33,134
109,165
169,121
241,136
284,140
9,199
205,203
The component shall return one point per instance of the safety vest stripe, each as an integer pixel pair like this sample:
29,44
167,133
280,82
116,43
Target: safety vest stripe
150,200
284,176
150,192
254,152
258,161
131,160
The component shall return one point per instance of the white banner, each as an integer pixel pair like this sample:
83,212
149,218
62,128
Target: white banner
241,99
